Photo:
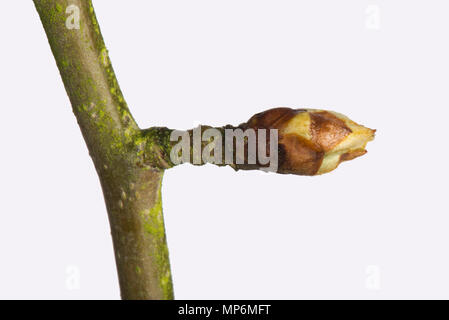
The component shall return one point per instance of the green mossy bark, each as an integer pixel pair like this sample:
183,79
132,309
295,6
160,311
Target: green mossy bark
130,176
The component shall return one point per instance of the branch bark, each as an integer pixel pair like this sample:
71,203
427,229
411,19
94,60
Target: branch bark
132,191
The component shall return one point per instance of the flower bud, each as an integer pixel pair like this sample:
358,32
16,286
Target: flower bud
312,142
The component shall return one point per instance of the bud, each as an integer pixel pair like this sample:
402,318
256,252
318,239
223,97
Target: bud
312,142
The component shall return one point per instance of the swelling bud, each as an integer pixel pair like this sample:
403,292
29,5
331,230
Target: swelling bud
310,141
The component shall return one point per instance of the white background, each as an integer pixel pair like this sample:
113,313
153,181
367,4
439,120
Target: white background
377,227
